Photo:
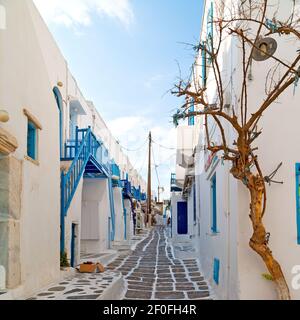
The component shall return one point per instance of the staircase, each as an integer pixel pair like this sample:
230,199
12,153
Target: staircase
87,156
85,146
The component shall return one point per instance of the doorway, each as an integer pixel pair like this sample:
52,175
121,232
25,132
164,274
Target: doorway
182,218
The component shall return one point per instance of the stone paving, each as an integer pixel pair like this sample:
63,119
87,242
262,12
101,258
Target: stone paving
82,286
152,272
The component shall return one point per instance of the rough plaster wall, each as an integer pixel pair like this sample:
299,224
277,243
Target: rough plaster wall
10,213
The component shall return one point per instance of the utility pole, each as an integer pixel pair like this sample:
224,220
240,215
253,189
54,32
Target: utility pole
149,183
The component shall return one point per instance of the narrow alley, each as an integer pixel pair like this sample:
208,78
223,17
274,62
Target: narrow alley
149,272
148,151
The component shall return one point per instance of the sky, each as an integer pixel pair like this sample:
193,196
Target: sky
126,55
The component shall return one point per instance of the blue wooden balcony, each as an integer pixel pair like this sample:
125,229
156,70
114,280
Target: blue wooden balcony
136,192
126,185
143,196
90,159
174,187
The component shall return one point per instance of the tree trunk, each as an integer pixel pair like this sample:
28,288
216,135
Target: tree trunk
259,239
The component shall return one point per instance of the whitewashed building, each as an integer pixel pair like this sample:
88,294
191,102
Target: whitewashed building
65,183
217,204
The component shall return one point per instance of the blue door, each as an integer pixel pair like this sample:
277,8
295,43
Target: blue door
182,218
73,237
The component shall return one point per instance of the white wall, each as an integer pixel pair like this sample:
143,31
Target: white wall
25,84
129,221
119,215
74,216
280,131
95,210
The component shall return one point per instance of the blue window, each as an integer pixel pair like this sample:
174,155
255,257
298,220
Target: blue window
192,109
298,200
203,55
32,140
213,195
216,270
210,30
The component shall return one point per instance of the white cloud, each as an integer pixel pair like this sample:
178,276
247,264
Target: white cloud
72,13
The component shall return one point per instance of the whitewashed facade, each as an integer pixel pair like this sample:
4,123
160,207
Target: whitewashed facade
45,105
233,269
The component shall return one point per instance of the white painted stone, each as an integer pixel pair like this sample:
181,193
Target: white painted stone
2,278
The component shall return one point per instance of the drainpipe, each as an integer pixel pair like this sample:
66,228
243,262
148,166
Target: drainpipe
62,215
112,207
125,214
109,234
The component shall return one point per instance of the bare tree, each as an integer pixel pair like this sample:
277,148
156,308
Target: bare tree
248,24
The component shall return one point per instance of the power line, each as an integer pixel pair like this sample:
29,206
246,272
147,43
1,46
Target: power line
156,166
134,150
143,164
160,145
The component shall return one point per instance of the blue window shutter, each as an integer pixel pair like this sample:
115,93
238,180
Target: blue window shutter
210,29
298,201
216,270
214,203
192,109
203,64
31,140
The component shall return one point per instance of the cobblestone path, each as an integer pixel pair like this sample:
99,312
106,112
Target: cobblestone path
152,272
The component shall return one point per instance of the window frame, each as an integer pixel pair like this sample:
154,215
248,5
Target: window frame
32,150
35,124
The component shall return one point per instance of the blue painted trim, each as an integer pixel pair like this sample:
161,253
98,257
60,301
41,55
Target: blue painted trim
59,102
216,271
112,208
210,30
73,245
203,54
191,120
85,159
298,201
62,216
214,203
125,218
31,140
